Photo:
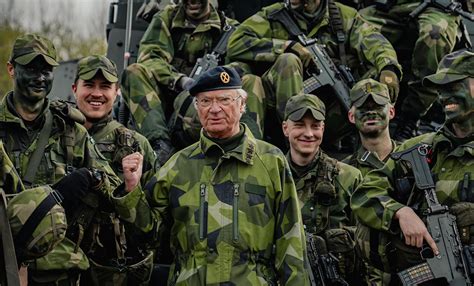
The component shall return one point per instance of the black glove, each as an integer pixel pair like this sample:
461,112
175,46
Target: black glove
74,187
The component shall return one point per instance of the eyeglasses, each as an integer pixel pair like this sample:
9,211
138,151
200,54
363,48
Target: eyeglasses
221,101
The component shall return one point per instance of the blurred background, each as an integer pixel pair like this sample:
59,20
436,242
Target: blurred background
76,27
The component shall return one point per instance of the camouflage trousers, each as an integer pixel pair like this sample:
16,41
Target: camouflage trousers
142,95
285,79
184,123
421,43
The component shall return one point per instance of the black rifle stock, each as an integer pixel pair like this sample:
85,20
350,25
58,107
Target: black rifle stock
450,263
324,266
324,72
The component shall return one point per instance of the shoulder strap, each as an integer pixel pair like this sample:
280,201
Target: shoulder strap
35,158
335,20
35,218
287,21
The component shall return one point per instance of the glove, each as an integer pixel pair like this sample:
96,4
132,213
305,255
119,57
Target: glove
74,187
302,52
390,79
184,83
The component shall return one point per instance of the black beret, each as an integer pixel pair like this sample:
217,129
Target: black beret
216,78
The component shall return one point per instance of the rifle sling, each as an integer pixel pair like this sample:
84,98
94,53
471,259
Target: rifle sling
287,21
335,21
35,158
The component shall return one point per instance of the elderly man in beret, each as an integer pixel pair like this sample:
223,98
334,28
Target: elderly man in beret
324,185
389,202
227,202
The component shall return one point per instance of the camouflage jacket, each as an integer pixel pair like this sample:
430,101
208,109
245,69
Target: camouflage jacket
233,216
365,160
20,142
260,40
324,193
175,44
10,182
374,201
115,141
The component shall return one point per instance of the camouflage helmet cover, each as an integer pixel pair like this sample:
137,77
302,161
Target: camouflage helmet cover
369,87
453,67
50,230
298,105
88,67
27,47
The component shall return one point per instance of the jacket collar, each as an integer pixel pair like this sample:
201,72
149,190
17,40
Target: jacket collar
244,152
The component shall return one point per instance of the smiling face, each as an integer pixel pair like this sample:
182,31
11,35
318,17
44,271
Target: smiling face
305,136
34,81
221,118
95,97
457,99
371,119
196,9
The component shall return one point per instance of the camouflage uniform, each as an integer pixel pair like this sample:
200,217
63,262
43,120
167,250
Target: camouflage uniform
324,189
169,50
384,191
225,214
69,146
261,42
421,43
119,256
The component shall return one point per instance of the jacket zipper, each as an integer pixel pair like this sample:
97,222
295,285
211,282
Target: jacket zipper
202,211
235,215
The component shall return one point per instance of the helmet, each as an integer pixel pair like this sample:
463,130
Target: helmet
37,220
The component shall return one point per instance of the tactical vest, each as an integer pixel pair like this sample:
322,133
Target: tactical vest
123,144
59,111
115,254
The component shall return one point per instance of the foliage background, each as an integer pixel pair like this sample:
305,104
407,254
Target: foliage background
77,28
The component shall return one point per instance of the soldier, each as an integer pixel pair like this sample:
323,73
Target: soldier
381,202
175,39
371,112
421,43
46,142
96,87
228,200
270,49
324,185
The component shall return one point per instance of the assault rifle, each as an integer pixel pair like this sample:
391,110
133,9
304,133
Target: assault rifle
211,60
324,267
448,6
450,264
324,72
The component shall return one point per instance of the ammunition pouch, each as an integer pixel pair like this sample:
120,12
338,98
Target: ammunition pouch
464,213
122,272
340,241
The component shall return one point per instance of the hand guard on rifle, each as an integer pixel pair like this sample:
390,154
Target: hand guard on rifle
299,50
390,78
